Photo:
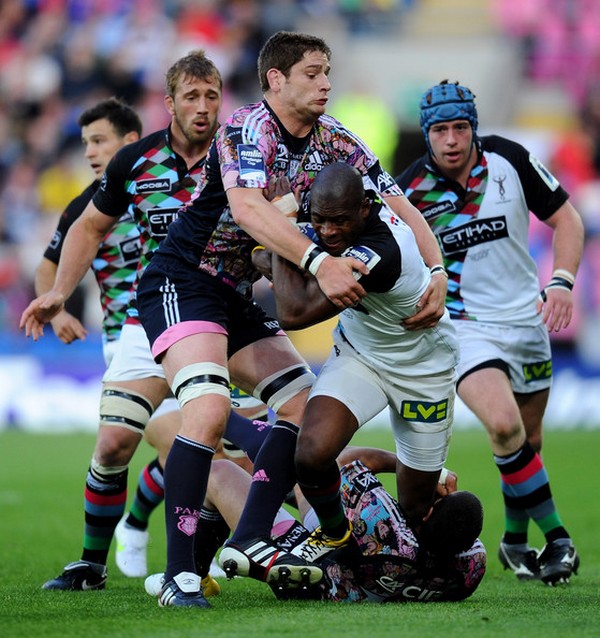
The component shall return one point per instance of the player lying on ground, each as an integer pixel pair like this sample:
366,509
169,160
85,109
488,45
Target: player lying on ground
442,561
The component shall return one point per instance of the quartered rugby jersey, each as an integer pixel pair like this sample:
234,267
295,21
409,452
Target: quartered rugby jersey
151,181
115,263
483,230
249,149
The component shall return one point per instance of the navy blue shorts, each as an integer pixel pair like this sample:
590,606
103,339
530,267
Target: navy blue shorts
181,301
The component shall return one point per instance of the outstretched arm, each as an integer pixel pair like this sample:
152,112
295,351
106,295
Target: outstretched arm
80,248
65,326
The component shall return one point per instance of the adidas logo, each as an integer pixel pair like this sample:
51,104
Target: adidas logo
262,553
314,162
260,475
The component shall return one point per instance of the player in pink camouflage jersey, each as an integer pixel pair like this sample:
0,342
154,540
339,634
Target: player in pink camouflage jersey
196,307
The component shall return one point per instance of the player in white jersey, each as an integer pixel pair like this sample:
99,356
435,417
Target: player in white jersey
477,194
375,362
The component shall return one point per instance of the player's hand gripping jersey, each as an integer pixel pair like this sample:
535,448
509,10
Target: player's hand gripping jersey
249,149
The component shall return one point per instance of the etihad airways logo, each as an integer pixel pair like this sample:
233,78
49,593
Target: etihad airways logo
473,233
159,220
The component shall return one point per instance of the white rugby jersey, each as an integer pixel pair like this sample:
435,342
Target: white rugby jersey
483,230
398,278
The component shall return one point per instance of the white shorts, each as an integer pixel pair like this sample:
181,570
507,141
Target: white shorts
421,407
132,359
108,350
524,350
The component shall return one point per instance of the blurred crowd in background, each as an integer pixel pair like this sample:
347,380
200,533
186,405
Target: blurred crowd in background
58,57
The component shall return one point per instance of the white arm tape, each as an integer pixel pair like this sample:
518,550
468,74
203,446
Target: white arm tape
287,204
443,476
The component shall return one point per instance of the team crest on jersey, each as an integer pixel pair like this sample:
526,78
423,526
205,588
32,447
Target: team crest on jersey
425,411
156,185
160,219
500,179
537,371
251,164
473,233
282,158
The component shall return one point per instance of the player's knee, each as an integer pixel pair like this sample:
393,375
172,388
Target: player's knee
506,433
200,379
125,408
285,387
115,446
107,473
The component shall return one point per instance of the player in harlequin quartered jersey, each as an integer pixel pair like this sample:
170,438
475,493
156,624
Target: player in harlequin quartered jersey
105,128
151,179
195,300
476,193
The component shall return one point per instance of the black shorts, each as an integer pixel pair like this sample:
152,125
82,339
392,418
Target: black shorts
171,294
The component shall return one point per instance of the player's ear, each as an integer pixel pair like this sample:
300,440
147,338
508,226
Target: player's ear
130,137
274,78
169,104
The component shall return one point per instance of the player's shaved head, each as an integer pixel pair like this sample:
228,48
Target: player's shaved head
339,183
453,525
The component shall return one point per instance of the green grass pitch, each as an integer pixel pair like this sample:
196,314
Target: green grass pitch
41,521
